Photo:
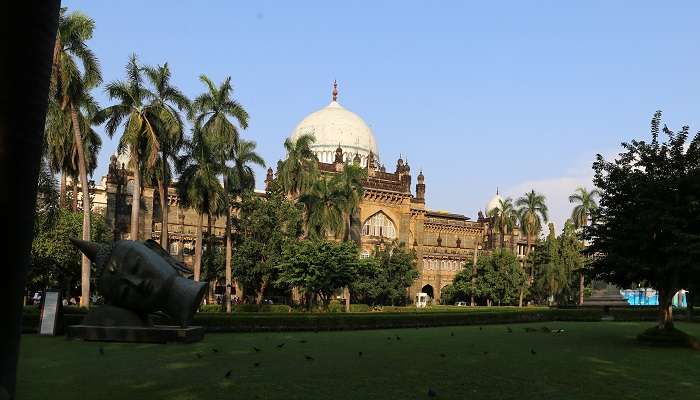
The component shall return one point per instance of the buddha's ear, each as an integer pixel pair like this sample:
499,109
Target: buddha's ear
177,265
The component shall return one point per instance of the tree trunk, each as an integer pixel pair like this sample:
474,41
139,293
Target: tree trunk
227,233
665,308
74,199
85,262
581,287
163,191
198,248
136,195
474,259
62,193
261,292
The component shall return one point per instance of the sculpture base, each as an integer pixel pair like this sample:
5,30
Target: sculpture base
136,334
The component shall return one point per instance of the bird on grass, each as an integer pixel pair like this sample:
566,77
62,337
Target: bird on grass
228,374
528,329
443,355
559,331
302,341
215,350
257,350
432,393
533,352
509,330
486,353
481,329
308,358
257,364
199,355
452,333
545,329
359,354
279,346
102,351
388,338
398,337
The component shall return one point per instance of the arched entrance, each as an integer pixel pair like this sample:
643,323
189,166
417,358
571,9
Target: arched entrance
428,289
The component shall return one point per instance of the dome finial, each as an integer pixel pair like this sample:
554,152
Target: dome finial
335,90
496,190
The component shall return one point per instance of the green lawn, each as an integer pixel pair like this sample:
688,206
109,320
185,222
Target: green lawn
599,360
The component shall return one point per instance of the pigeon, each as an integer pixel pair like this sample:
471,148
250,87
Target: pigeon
388,338
257,350
533,352
308,358
257,364
486,353
452,333
398,337
431,393
480,328
279,346
509,330
528,329
102,351
359,354
545,329
443,355
559,331
302,341
199,355
228,374
215,350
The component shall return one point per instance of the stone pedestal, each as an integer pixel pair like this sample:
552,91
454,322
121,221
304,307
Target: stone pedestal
136,334
605,295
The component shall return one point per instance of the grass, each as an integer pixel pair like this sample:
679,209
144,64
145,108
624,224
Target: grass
600,360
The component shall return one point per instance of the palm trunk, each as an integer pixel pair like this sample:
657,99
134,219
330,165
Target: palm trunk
261,292
580,288
162,189
665,320
476,251
74,200
85,262
227,295
62,193
198,248
136,196
532,268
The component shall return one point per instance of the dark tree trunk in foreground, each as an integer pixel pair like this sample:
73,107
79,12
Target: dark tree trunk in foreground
62,193
85,262
24,83
581,287
665,320
163,193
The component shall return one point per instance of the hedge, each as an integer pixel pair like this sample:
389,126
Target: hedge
270,321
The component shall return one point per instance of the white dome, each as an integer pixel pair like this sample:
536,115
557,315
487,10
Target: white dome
494,203
334,126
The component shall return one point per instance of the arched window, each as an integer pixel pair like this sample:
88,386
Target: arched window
364,254
379,225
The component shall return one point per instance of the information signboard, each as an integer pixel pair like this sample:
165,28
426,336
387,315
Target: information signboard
49,313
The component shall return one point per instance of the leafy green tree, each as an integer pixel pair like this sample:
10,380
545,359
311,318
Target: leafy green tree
199,186
572,261
324,205
349,185
505,218
647,227
551,277
264,227
75,72
465,285
139,136
164,115
385,276
501,276
532,212
318,268
216,109
580,216
299,170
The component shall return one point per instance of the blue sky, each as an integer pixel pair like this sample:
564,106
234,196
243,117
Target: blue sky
515,95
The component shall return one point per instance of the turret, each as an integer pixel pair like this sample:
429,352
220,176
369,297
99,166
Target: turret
269,178
420,188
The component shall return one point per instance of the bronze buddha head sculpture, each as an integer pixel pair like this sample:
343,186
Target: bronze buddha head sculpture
141,277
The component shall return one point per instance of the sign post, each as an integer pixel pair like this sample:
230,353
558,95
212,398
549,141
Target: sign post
51,309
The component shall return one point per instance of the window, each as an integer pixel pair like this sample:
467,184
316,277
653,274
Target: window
379,225
364,254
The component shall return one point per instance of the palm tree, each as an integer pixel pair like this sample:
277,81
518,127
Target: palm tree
215,109
238,179
199,187
349,183
299,170
71,86
532,211
163,112
581,214
139,137
324,208
505,218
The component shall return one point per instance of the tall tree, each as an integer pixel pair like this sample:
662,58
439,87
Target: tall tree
647,226
139,137
532,211
163,113
505,218
349,185
215,110
299,170
324,209
199,186
580,216
75,72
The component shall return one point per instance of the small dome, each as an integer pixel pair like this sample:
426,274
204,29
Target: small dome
494,202
333,126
